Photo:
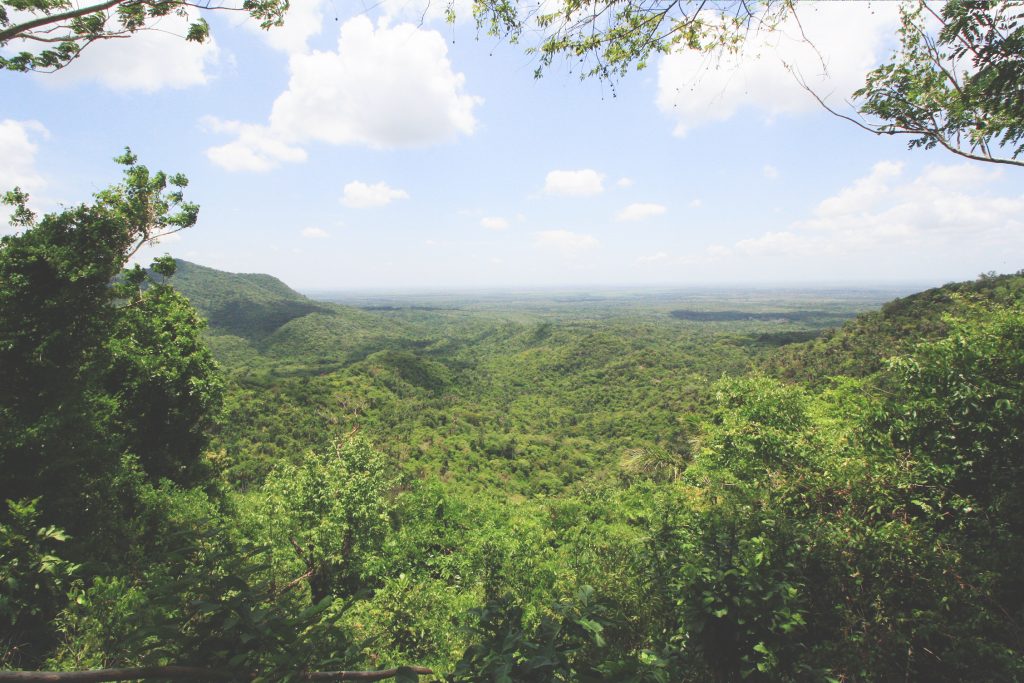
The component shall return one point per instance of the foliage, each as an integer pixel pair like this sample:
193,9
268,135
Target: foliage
93,368
508,497
33,582
62,29
606,38
959,87
327,515
561,648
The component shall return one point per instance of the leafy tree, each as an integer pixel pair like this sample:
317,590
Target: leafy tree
326,516
63,28
164,379
962,414
607,38
563,647
92,367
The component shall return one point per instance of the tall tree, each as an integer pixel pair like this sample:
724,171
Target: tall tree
93,366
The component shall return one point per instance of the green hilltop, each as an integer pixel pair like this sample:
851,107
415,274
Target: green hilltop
256,321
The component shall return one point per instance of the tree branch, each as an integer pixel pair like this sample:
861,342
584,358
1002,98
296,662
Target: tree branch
191,673
363,675
935,135
102,675
14,31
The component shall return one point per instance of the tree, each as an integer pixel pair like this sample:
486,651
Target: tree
63,29
327,515
164,379
94,367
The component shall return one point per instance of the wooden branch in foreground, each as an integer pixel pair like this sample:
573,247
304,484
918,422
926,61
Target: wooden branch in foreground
363,675
167,673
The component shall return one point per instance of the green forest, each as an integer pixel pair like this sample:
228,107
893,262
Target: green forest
209,476
212,470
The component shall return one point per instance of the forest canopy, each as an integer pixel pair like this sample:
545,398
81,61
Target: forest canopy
555,500
212,471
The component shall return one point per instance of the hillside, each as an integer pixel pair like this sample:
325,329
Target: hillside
859,347
249,305
257,322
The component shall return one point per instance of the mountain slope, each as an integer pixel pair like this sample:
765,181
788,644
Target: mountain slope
860,346
255,320
247,305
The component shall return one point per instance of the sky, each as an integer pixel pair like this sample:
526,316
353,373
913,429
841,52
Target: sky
385,148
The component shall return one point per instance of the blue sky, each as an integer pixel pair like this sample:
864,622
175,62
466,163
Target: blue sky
374,150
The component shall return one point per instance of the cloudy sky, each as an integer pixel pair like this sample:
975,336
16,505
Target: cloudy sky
389,149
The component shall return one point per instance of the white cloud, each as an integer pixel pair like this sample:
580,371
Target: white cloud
846,41
18,151
654,258
582,183
148,61
315,233
695,203
624,182
945,207
782,242
565,241
770,172
384,88
255,149
493,223
359,195
864,192
639,212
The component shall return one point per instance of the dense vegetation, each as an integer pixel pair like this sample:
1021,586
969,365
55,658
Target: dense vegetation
567,491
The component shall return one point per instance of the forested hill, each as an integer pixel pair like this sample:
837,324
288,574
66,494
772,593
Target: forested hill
256,320
250,305
859,347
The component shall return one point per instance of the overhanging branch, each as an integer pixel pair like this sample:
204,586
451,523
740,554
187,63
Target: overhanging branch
932,134
47,19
